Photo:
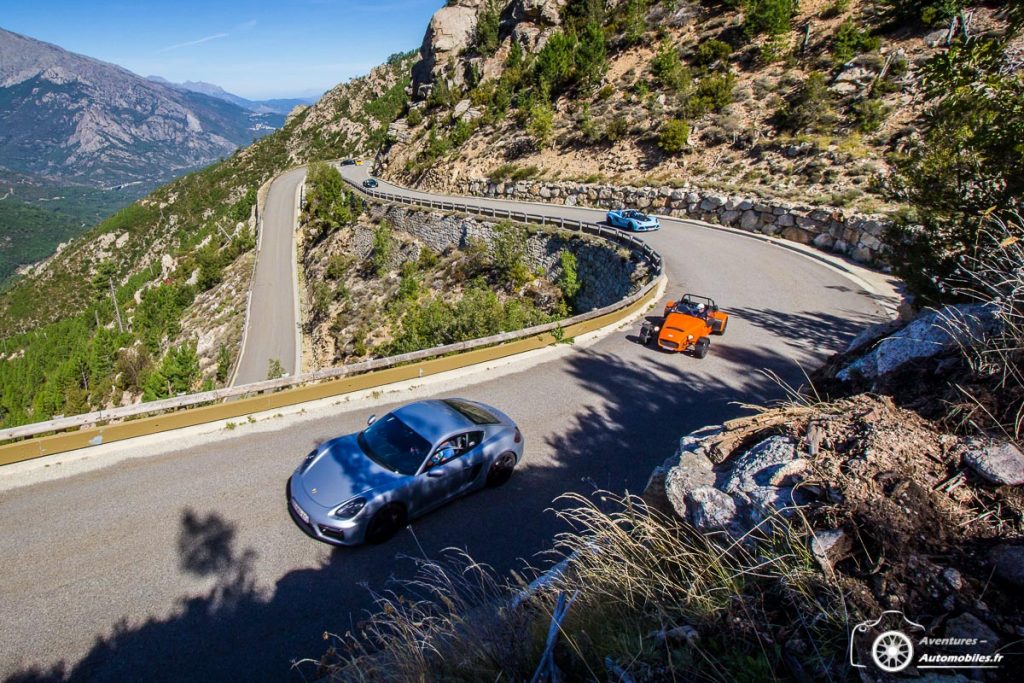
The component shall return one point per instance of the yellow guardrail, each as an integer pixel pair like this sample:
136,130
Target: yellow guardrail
40,446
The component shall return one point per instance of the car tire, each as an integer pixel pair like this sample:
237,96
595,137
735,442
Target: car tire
501,469
700,349
385,523
718,326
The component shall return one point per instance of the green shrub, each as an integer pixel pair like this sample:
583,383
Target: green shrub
869,114
223,363
337,266
809,108
711,51
835,9
178,373
591,60
674,136
487,24
668,68
713,93
850,40
510,253
383,243
569,281
616,128
542,123
274,369
773,17
414,118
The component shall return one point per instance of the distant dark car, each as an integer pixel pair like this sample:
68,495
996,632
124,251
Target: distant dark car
348,162
369,182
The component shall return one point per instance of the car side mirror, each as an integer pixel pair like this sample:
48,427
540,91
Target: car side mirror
370,420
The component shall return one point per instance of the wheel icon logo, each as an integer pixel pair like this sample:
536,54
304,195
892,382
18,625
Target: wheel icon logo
892,651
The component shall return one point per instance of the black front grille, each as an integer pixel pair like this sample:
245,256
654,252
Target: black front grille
337,534
667,344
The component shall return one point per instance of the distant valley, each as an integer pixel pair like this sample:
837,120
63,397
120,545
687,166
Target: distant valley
81,138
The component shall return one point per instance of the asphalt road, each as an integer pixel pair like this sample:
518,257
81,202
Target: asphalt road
272,331
186,566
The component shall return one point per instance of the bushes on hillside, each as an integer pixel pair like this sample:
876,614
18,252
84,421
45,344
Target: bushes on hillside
674,136
478,313
968,161
772,17
329,204
809,107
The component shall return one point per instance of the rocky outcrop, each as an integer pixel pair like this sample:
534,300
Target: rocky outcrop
448,50
449,34
858,236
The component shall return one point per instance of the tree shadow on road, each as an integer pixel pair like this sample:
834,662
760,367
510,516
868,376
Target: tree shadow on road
631,417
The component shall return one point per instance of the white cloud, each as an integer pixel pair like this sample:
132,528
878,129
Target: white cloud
200,41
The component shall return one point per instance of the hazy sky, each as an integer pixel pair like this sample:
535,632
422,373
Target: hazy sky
258,49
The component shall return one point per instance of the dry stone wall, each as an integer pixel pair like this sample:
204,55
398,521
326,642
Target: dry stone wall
608,273
857,236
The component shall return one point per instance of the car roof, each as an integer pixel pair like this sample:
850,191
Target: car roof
432,419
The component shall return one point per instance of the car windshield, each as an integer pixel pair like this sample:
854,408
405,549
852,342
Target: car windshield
390,443
471,412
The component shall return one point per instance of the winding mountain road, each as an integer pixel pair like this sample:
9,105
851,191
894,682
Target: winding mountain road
185,565
272,324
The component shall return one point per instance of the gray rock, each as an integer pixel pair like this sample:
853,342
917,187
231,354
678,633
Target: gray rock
711,509
692,471
1001,463
711,202
969,626
953,578
729,217
824,241
936,38
929,334
785,220
761,465
748,221
1008,561
830,546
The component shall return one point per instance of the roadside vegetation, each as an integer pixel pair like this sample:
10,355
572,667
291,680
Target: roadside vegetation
62,349
402,296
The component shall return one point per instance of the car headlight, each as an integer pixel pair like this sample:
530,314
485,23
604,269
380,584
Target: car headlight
350,509
689,337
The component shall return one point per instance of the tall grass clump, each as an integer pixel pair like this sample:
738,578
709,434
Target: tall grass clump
994,274
651,599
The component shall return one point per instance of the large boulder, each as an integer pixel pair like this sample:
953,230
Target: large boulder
931,333
451,31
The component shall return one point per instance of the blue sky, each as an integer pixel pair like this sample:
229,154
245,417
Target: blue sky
257,49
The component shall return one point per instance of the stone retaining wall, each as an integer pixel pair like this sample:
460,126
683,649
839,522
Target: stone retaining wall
859,237
606,272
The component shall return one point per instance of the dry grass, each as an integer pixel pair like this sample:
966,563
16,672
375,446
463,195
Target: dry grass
653,599
996,276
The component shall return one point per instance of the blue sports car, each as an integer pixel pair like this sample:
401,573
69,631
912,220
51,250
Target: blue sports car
634,220
366,486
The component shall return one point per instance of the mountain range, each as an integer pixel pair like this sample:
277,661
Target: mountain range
273,106
67,116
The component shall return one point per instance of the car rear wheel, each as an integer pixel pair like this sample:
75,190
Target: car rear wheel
385,523
701,348
718,325
501,469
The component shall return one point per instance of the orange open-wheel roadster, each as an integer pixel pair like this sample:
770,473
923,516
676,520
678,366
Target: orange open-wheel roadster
688,325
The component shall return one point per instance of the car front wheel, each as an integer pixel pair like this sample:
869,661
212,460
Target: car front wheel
501,469
701,348
385,523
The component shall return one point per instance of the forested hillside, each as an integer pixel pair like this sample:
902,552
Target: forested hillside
67,347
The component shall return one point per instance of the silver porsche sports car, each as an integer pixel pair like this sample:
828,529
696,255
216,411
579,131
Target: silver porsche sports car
365,486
